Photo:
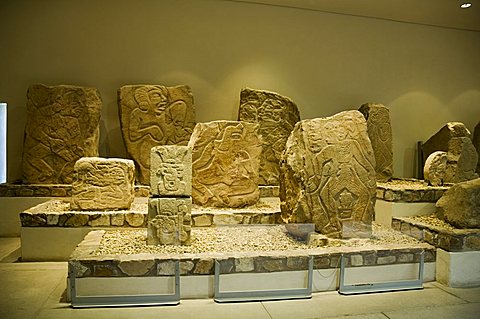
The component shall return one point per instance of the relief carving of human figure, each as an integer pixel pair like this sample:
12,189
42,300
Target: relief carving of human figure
157,121
228,165
58,138
343,166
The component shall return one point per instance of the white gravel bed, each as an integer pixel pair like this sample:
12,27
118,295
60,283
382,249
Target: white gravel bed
236,239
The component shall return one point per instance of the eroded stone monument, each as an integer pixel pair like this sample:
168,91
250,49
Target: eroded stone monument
103,184
153,115
328,174
169,208
62,127
460,205
462,158
276,116
379,131
226,160
435,168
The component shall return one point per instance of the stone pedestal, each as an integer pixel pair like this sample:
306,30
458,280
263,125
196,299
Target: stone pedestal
170,204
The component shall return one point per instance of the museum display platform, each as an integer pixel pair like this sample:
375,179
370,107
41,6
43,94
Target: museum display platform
405,197
98,278
50,231
458,250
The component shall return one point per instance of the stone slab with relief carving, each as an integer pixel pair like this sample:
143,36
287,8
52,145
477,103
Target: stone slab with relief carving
276,116
328,174
169,221
171,171
62,127
226,160
103,184
152,115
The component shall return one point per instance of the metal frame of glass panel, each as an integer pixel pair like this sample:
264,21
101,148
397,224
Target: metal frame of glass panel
362,288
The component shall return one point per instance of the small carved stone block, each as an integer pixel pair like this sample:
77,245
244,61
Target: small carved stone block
379,131
152,115
276,115
171,171
62,127
435,168
328,173
103,184
169,221
226,159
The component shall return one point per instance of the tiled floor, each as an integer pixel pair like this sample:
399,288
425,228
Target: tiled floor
37,290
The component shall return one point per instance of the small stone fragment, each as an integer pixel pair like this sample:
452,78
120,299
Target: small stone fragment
435,168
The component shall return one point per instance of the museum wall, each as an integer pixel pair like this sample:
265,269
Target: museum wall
325,62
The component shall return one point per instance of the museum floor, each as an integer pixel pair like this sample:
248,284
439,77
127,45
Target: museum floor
37,290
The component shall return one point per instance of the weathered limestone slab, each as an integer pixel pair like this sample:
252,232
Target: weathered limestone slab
476,143
460,205
276,116
462,158
171,171
169,221
62,126
103,184
226,159
379,131
435,168
328,173
153,115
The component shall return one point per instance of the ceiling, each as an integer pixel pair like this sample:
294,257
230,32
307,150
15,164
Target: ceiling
442,13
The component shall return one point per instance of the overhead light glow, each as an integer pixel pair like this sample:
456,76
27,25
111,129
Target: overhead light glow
466,5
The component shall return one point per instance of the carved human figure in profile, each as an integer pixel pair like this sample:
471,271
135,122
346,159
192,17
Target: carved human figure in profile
153,115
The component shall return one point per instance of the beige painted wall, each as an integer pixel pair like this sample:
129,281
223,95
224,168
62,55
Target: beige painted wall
325,62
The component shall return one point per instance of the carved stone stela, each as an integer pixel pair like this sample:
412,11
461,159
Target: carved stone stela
379,131
103,184
169,221
153,115
328,174
276,116
171,171
62,126
226,159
